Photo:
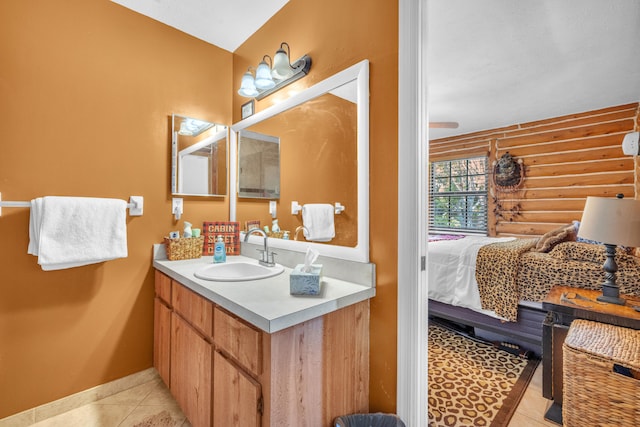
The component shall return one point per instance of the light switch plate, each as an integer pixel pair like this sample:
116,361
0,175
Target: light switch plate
176,207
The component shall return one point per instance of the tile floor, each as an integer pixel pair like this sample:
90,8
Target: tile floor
130,407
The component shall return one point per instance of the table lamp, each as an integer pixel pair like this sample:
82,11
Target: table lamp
612,221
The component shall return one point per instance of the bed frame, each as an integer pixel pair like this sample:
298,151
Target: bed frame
526,332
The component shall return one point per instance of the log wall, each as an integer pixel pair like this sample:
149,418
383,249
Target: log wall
565,160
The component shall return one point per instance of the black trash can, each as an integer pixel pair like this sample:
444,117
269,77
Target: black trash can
368,420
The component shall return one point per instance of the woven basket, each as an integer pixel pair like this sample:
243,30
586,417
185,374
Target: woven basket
276,234
183,248
593,394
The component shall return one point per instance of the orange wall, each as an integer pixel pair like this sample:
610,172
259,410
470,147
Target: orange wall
337,34
87,89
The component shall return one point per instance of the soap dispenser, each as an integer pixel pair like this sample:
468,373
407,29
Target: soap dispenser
219,251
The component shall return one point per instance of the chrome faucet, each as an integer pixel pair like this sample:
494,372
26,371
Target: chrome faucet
267,257
300,227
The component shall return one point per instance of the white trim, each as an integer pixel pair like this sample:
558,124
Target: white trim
360,73
412,233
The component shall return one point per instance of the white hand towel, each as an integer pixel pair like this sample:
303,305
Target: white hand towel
318,220
67,232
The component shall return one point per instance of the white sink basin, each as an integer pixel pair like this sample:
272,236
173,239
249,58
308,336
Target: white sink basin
237,271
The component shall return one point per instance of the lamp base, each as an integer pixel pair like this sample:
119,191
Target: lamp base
611,299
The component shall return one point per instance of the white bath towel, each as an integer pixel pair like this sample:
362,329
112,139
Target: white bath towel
67,232
318,220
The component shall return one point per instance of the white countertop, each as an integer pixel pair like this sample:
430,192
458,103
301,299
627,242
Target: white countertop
266,303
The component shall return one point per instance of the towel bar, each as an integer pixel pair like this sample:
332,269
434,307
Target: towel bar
296,208
135,205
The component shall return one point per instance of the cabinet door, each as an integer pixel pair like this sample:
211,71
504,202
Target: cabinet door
195,309
191,372
239,340
162,340
236,396
163,287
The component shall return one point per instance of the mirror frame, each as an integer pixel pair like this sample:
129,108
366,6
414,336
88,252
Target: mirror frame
360,73
176,161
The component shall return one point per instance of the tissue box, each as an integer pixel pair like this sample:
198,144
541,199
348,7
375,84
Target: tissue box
301,283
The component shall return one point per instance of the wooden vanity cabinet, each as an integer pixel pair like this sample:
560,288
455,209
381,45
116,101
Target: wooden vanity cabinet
191,371
237,397
162,326
224,371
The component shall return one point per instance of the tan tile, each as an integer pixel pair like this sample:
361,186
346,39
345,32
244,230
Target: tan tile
132,396
159,395
89,415
21,419
151,416
94,394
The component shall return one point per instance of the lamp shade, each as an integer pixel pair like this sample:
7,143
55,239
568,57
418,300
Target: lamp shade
248,87
281,66
611,220
263,77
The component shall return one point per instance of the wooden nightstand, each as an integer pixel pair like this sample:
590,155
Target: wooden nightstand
562,311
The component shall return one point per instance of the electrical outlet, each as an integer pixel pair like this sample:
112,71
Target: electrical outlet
176,207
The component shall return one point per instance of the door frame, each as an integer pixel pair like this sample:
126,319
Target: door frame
411,397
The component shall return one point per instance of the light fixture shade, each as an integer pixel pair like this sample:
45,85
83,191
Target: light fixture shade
248,87
184,129
281,66
263,77
611,220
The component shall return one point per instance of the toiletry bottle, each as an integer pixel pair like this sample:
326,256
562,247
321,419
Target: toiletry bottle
219,251
285,235
275,227
266,229
187,229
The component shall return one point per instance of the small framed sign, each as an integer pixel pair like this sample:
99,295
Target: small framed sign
247,109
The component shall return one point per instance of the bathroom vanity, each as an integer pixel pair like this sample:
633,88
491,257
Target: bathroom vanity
250,354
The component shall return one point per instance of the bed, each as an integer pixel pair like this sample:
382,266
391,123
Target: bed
497,284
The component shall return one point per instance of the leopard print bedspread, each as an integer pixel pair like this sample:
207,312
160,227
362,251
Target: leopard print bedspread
508,272
574,264
496,271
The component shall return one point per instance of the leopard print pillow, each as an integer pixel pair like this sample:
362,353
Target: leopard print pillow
553,237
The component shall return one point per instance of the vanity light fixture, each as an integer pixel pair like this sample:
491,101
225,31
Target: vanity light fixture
271,78
193,127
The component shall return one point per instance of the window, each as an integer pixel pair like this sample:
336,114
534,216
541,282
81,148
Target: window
458,196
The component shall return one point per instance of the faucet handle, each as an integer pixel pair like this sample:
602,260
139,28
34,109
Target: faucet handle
267,258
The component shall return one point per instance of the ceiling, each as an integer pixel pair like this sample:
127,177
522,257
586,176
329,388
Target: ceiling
490,63
493,63
224,23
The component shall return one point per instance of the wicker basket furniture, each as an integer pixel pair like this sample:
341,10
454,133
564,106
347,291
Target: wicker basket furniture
183,247
596,393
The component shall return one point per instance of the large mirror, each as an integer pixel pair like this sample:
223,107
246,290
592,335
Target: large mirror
199,157
258,165
324,158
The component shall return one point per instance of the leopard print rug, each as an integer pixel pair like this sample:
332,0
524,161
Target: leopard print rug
473,383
